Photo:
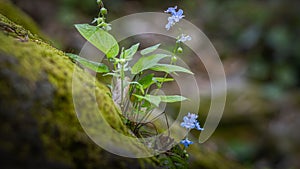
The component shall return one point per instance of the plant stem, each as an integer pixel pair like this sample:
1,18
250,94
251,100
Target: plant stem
122,87
167,124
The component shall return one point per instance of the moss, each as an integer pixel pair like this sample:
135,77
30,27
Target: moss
39,123
17,31
16,15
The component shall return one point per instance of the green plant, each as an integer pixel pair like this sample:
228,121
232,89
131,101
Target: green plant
130,86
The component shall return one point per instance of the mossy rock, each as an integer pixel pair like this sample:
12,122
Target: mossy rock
19,17
39,127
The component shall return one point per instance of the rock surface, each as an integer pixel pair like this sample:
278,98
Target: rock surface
39,127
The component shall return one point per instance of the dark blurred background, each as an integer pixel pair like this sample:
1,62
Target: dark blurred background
258,42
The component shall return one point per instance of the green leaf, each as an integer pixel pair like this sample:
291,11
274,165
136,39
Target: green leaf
157,99
146,81
112,74
101,39
129,53
162,79
150,98
147,62
147,105
95,66
170,68
149,49
139,86
172,98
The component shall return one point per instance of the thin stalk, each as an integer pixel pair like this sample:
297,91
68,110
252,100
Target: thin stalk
131,89
153,119
138,111
131,114
167,124
122,87
146,116
147,90
166,75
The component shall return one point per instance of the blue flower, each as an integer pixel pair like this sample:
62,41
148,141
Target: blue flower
176,16
197,126
190,121
171,10
183,38
170,23
186,142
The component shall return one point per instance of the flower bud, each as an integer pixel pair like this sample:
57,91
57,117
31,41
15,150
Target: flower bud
122,61
115,60
174,59
103,11
99,2
180,50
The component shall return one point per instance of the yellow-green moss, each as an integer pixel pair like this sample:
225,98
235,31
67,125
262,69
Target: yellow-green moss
42,76
12,29
16,15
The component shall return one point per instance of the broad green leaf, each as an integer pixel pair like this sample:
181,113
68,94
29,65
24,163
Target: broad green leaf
129,53
162,79
100,38
157,99
150,98
95,66
170,68
147,62
146,81
172,98
149,49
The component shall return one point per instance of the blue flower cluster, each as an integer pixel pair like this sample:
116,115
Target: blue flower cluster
175,16
186,142
183,38
190,122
